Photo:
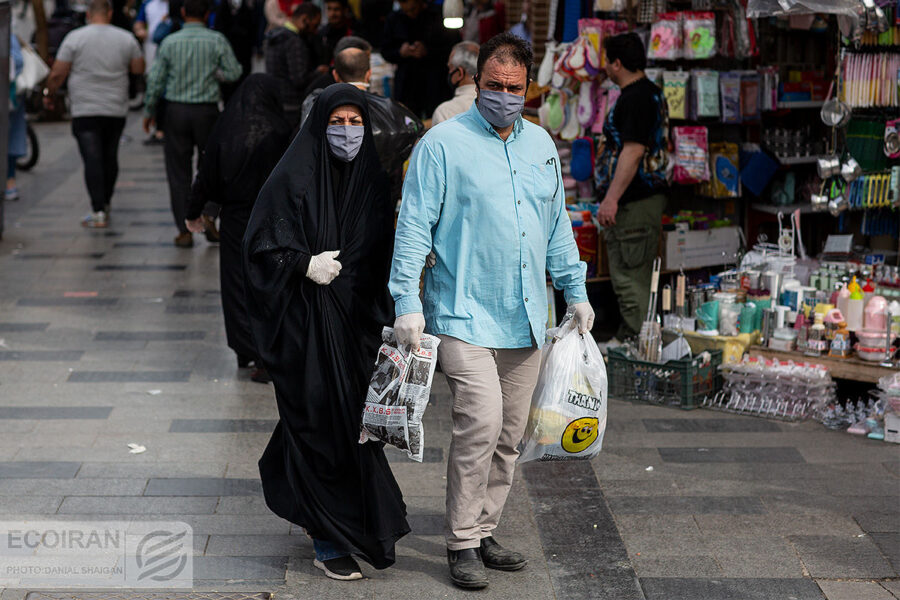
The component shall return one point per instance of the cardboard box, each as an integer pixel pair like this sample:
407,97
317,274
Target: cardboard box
696,249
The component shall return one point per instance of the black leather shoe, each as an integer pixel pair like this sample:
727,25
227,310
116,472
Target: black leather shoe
496,556
466,569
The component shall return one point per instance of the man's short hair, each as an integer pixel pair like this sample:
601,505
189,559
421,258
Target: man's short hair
507,48
465,55
343,3
352,41
628,48
351,64
99,7
307,9
196,9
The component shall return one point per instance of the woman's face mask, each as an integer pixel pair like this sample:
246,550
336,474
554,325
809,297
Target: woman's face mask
345,140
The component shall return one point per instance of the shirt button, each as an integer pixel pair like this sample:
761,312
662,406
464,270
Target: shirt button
523,234
514,171
524,265
526,299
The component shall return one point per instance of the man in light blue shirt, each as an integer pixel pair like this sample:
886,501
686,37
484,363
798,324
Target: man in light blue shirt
484,191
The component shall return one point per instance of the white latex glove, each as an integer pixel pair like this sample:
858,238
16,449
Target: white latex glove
584,317
408,329
323,268
430,260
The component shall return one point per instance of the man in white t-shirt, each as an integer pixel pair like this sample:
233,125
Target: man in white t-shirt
97,59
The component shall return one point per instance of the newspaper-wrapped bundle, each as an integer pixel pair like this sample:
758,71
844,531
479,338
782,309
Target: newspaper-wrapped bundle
398,394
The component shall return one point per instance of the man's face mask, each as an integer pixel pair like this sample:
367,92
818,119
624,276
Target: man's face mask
450,78
345,140
500,109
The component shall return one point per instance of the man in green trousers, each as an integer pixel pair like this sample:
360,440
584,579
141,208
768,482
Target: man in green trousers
631,178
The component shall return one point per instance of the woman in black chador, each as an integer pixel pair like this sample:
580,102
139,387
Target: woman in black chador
317,256
246,143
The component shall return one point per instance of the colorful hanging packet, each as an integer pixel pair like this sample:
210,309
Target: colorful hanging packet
704,94
666,37
730,95
691,155
699,35
750,96
675,85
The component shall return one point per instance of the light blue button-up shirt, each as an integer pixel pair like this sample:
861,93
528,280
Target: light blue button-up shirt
494,213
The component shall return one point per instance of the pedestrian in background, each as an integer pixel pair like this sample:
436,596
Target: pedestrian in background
292,58
187,74
97,60
316,258
416,41
461,69
149,17
339,23
484,192
631,178
246,143
16,142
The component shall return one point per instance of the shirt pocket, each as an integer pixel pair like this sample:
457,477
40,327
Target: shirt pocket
544,182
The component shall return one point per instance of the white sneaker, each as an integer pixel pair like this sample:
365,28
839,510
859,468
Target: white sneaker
95,220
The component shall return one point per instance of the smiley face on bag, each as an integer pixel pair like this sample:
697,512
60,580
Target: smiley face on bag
580,434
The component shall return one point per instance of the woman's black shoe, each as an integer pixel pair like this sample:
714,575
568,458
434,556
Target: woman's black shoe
260,375
466,569
342,569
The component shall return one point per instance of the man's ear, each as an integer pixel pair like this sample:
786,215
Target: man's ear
337,77
368,76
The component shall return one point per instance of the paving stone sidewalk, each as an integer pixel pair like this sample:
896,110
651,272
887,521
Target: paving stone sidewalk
115,337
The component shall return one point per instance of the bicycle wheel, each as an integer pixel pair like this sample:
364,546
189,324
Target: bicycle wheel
27,162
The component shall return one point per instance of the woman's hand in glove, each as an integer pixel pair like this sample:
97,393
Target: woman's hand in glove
323,268
408,329
584,317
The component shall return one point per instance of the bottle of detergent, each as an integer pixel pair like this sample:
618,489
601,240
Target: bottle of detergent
855,307
843,299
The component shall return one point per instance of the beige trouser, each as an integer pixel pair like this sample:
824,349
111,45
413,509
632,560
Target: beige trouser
491,398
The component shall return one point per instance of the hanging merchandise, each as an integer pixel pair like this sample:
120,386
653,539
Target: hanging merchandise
750,96
649,9
768,88
870,80
705,94
596,30
666,37
699,35
730,93
691,155
724,181
587,108
675,91
892,138
736,36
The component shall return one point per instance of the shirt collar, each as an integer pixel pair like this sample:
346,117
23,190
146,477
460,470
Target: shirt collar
194,25
483,123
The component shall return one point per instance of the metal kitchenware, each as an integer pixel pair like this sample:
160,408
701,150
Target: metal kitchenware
838,205
835,113
819,202
850,170
828,166
881,21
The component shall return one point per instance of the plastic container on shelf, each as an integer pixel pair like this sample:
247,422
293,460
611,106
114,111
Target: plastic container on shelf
854,312
685,382
876,314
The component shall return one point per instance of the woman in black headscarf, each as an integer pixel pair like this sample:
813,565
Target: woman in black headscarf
317,256
246,143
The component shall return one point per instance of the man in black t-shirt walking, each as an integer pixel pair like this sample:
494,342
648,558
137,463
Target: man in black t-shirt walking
631,177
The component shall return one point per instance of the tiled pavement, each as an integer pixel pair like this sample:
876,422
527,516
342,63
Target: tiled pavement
113,337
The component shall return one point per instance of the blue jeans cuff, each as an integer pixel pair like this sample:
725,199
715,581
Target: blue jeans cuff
326,551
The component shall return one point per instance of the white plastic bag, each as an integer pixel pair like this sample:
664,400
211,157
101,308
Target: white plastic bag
568,408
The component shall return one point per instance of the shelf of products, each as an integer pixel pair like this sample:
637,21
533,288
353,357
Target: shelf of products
853,369
774,209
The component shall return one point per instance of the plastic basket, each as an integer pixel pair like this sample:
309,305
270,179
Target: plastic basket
683,383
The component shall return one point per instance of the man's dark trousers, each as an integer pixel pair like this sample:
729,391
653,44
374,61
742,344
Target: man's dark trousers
187,127
98,142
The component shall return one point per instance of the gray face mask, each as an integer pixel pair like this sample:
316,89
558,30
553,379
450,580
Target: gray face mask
345,140
500,109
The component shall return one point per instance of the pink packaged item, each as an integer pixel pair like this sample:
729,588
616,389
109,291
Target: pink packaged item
666,37
699,35
691,155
